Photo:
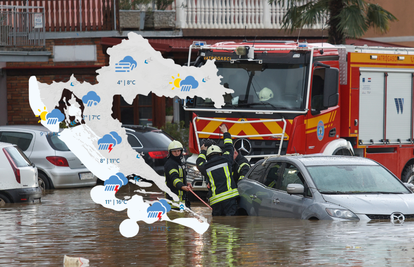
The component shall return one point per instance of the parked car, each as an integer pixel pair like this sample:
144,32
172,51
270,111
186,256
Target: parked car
151,143
18,176
324,187
57,166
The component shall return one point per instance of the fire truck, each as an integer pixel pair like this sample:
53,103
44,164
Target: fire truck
306,98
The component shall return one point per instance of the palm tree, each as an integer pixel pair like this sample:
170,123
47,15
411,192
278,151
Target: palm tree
346,18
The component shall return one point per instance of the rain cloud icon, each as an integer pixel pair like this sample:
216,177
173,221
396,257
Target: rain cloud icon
115,182
91,98
125,65
109,141
188,83
158,209
54,117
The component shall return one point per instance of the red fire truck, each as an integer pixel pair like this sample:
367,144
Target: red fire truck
291,97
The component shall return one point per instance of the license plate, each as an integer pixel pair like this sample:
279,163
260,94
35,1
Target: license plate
86,175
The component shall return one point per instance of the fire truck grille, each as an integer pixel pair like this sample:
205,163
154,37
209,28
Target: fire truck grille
267,147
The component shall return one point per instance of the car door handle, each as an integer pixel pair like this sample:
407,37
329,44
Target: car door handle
276,201
253,196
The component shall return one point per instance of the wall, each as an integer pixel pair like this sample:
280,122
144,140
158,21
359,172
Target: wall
402,31
18,74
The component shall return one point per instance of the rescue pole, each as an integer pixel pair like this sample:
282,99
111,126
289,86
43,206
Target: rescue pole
199,198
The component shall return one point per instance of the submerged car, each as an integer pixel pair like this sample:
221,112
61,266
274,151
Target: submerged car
18,176
324,188
57,166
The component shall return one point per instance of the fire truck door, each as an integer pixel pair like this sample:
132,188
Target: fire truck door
398,112
371,107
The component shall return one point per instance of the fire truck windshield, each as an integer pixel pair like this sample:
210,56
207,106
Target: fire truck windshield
260,86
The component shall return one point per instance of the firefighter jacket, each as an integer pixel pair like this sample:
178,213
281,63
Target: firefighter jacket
218,170
240,167
175,176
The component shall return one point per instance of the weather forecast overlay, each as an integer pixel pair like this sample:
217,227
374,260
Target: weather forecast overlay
99,141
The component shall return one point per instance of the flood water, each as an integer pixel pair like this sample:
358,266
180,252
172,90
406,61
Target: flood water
68,222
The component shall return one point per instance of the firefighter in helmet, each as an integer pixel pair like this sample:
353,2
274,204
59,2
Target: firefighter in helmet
265,94
175,173
217,165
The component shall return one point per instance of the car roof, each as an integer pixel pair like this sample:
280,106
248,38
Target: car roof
318,160
139,128
3,144
39,128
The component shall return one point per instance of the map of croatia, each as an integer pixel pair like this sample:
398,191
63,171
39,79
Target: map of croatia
100,142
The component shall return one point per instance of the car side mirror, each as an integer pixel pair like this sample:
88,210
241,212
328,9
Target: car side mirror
295,189
410,186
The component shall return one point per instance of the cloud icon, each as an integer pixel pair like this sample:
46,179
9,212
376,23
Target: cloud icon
55,116
107,139
91,98
189,81
118,179
165,204
125,65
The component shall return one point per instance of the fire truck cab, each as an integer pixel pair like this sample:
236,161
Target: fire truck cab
306,98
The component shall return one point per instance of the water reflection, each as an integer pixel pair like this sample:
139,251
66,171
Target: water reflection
68,222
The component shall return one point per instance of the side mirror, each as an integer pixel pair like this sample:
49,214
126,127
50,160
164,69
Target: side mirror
410,186
295,189
330,90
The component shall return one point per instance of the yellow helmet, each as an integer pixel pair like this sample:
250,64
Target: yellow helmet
265,94
175,145
213,149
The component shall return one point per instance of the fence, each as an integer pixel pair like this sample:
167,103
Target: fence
74,15
21,26
233,14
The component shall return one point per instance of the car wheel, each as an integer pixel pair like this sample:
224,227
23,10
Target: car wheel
3,200
43,181
408,174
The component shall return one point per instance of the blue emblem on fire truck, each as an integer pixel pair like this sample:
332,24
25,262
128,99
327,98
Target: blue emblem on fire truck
320,130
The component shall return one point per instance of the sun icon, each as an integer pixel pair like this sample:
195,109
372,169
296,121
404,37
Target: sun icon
42,114
176,82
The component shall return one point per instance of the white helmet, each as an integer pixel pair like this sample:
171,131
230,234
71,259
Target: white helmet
265,94
175,145
213,149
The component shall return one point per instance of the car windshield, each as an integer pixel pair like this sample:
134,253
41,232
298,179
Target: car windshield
355,180
154,139
260,86
19,158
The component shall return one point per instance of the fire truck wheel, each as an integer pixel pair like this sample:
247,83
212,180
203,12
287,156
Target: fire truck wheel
408,174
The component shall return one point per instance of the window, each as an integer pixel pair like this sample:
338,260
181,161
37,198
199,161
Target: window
133,141
56,143
317,89
22,140
273,174
257,173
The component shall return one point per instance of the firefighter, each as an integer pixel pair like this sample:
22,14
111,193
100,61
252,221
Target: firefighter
217,166
241,166
175,173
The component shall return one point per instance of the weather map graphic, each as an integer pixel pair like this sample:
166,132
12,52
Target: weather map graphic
54,117
91,99
115,182
125,65
109,141
158,209
186,85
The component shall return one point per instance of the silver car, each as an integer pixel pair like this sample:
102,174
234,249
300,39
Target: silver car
57,166
325,188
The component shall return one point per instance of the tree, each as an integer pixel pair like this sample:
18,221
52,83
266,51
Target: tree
346,18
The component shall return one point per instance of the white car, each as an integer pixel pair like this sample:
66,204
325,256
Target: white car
58,167
18,176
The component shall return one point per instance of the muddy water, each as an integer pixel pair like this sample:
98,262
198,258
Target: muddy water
68,222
